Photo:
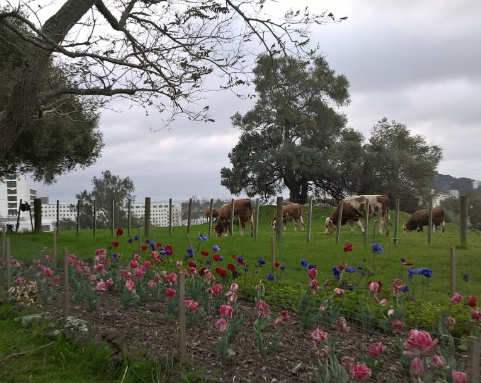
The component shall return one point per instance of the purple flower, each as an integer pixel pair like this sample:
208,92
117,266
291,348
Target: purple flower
376,248
311,266
304,263
350,269
136,237
336,272
283,267
240,260
202,237
270,276
130,240
261,261
221,258
215,248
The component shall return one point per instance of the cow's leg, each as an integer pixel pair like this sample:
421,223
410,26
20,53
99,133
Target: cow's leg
434,227
442,227
243,226
359,224
284,223
302,223
294,222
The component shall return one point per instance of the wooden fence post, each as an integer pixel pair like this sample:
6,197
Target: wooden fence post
211,212
112,218
452,269
463,225
366,228
430,220
339,220
66,307
140,240
147,217
4,236
55,248
273,252
129,216
78,216
190,244
58,216
309,221
256,222
18,216
182,319
170,216
472,364
396,222
232,211
95,218
189,215
279,220
8,264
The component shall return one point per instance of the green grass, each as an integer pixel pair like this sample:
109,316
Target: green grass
322,250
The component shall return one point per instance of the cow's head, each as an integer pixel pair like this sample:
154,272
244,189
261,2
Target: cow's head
273,224
407,228
330,226
220,227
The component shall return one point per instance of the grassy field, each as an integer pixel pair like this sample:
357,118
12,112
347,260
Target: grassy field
321,250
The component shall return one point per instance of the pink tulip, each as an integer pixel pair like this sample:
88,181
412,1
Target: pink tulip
361,372
417,367
222,324
226,311
234,287
374,287
109,282
100,288
348,363
191,305
338,292
19,280
476,316
421,342
263,308
459,377
217,289
312,273
314,286
456,298
319,336
450,321
397,326
383,302
438,362
342,325
172,277
376,350
170,293
130,286
48,272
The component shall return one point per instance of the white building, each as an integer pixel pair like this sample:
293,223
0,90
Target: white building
159,213
13,191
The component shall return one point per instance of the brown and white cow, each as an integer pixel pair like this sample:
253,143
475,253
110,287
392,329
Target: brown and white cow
243,210
293,212
215,213
420,218
354,209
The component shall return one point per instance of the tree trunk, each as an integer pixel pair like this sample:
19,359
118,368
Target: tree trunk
24,99
298,193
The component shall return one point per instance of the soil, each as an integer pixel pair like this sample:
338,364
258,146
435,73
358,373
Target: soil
149,329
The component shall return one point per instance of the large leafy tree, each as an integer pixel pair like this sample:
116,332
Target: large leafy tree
61,136
398,164
105,190
293,137
154,52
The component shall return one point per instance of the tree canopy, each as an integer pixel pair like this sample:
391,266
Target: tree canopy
154,52
293,137
398,164
61,136
105,190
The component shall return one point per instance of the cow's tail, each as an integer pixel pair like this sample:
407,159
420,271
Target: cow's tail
442,221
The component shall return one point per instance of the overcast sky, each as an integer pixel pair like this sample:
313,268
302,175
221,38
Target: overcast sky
415,62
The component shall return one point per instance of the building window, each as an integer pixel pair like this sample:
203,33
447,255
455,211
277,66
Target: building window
12,198
11,184
12,205
12,211
11,191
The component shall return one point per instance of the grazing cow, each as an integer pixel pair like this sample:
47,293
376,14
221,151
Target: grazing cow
243,210
420,218
354,209
215,214
293,211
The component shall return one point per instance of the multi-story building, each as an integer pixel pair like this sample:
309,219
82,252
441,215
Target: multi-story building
159,213
13,191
